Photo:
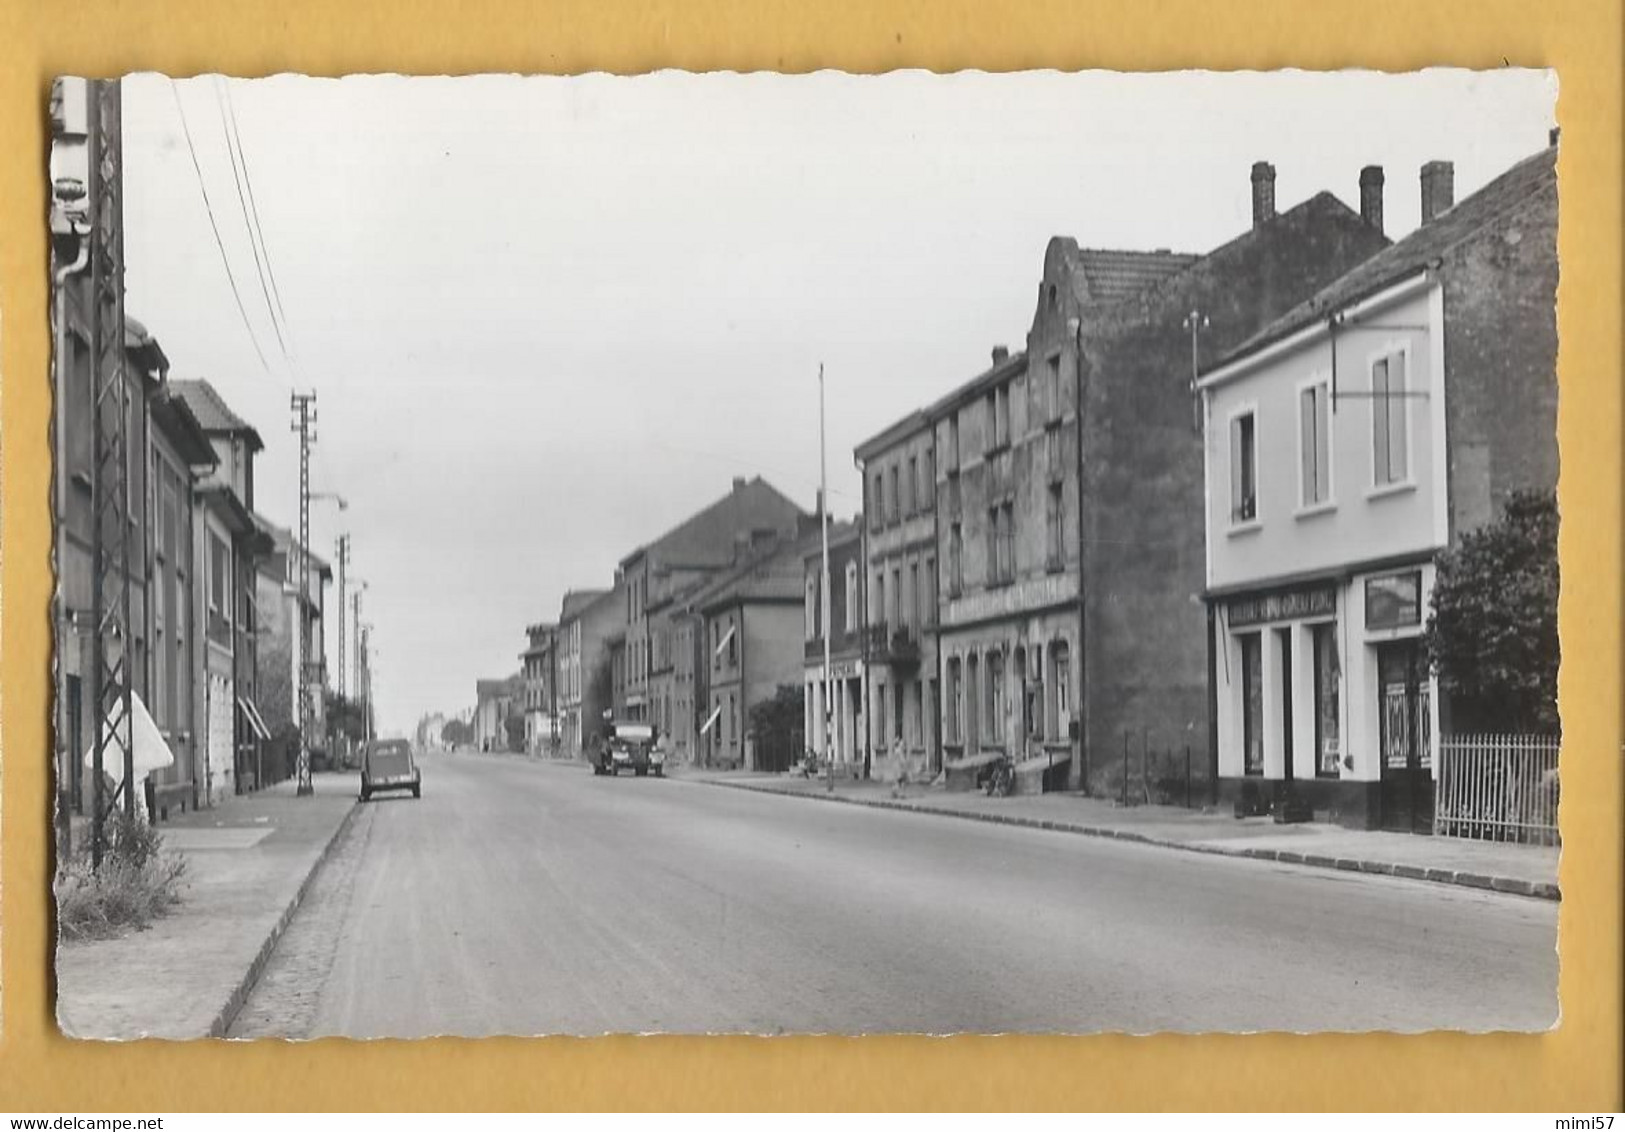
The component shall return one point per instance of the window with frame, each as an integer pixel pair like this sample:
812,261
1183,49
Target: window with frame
1390,442
928,480
995,696
1243,469
877,607
894,597
851,597
1001,415
913,485
1054,528
953,442
928,591
733,644
911,596
1314,444
951,714
956,558
894,508
877,503
1052,389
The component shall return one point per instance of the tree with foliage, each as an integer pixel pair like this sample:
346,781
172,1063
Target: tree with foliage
515,725
776,724
456,733
1492,630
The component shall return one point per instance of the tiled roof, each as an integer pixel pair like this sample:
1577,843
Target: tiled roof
577,600
707,535
1110,275
1416,251
776,575
212,411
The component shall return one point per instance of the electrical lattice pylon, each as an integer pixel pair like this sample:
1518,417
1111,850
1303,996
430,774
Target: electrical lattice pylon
304,423
111,687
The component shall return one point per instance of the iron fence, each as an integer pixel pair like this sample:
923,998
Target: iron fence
1498,788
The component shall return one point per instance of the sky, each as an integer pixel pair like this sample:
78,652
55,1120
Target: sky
547,318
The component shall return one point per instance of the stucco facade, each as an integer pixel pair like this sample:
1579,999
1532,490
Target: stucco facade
1347,446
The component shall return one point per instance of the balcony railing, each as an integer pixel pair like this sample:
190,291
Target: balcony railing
895,643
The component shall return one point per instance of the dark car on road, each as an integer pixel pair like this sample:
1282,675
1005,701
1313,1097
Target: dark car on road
631,746
389,764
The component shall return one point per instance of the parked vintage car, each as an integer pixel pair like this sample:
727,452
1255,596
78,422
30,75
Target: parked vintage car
631,746
389,764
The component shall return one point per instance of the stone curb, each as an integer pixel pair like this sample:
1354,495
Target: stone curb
1540,890
234,1002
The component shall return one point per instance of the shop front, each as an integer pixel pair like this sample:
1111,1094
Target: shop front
1324,706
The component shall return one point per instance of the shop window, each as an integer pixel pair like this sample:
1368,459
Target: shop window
1328,679
1252,704
1390,442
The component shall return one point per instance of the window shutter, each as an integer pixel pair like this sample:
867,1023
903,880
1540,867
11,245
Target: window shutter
1397,444
1236,458
1379,421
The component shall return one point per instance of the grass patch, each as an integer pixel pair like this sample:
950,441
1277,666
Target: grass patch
137,882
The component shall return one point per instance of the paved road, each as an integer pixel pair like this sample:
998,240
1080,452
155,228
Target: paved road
522,898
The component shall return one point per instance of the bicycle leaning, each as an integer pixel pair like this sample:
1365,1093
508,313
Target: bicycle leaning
1001,777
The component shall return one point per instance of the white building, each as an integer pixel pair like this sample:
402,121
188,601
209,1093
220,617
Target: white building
1346,446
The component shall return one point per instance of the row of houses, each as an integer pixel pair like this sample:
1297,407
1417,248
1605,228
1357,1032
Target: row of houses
216,600
1195,513
1198,513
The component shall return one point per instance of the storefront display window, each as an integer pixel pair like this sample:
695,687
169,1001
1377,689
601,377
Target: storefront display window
1252,704
1328,681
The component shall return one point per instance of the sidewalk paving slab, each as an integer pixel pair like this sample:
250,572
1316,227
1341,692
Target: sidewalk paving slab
249,862
1518,869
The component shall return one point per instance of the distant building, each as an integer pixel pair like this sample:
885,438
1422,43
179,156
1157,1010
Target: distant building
540,669
586,618
284,600
673,563
841,609
753,633
229,541
496,701
1349,442
901,693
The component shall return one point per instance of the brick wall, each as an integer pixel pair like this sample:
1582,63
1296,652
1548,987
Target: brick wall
1500,317
1145,667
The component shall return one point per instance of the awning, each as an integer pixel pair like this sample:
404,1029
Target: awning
711,719
726,637
251,713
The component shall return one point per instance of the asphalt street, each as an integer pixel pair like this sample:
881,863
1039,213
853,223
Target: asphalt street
519,897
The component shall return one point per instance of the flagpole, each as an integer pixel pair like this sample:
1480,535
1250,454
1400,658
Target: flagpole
823,593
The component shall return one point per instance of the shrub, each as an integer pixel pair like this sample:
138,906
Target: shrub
138,881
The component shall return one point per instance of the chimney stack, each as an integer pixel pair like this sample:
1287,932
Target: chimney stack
1371,196
1553,134
1263,193
739,483
1438,188
1001,354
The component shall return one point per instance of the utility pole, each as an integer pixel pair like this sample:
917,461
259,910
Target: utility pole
823,592
304,423
355,602
344,558
111,685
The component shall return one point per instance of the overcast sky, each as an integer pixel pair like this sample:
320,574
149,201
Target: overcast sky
547,318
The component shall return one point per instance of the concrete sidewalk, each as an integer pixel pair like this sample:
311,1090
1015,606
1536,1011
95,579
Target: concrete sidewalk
1521,869
249,861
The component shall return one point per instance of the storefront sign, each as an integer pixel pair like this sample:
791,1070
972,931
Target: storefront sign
838,670
1291,605
1393,601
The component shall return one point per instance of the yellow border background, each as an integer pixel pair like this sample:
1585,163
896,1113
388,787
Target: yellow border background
1575,1068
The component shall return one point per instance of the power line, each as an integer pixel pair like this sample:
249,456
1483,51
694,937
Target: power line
209,208
254,209
253,245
